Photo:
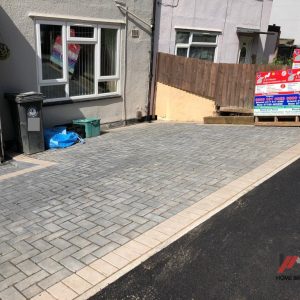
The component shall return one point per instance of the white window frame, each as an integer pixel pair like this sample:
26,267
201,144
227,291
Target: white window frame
115,77
66,39
201,44
58,81
82,40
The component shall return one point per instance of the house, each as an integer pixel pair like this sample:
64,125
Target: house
285,15
218,31
89,58
226,31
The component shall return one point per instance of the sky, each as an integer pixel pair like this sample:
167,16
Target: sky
285,13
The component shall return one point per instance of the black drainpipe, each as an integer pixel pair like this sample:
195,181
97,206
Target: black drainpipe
150,100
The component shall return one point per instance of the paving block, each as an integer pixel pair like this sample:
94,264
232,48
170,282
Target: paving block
52,227
146,226
32,291
73,233
137,247
115,260
118,238
18,277
91,232
62,254
11,294
88,259
43,296
28,267
109,230
50,265
48,253
99,240
56,235
86,224
7,269
127,253
127,228
103,267
62,292
41,245
5,248
72,264
77,284
24,284
90,275
79,241
69,226
85,251
105,249
60,243
54,278
132,234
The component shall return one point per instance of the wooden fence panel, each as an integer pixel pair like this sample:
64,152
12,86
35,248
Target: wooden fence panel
237,87
242,90
206,79
213,81
219,84
199,77
228,84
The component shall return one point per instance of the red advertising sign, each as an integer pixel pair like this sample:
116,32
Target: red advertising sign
296,59
278,82
277,93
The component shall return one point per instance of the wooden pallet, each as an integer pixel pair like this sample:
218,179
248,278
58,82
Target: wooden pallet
237,120
236,110
278,121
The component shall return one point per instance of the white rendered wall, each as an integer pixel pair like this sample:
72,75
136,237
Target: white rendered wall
223,15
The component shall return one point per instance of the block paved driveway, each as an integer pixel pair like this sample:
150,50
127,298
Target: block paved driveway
55,221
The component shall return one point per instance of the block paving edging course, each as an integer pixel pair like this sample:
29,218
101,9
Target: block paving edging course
37,165
91,279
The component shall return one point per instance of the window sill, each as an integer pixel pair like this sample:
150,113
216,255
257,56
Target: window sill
64,101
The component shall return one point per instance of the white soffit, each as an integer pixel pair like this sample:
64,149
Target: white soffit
34,15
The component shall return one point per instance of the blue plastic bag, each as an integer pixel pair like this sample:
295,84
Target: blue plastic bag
58,137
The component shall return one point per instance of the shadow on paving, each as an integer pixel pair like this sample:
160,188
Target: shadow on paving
12,166
234,255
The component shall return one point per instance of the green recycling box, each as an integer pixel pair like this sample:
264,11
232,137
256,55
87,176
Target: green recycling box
92,126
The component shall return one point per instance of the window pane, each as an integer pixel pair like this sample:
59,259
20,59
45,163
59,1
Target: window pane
82,31
206,53
182,52
52,54
243,55
182,37
81,60
107,87
108,52
204,38
53,91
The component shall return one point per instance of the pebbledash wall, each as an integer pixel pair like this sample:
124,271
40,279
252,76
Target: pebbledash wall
19,73
230,19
